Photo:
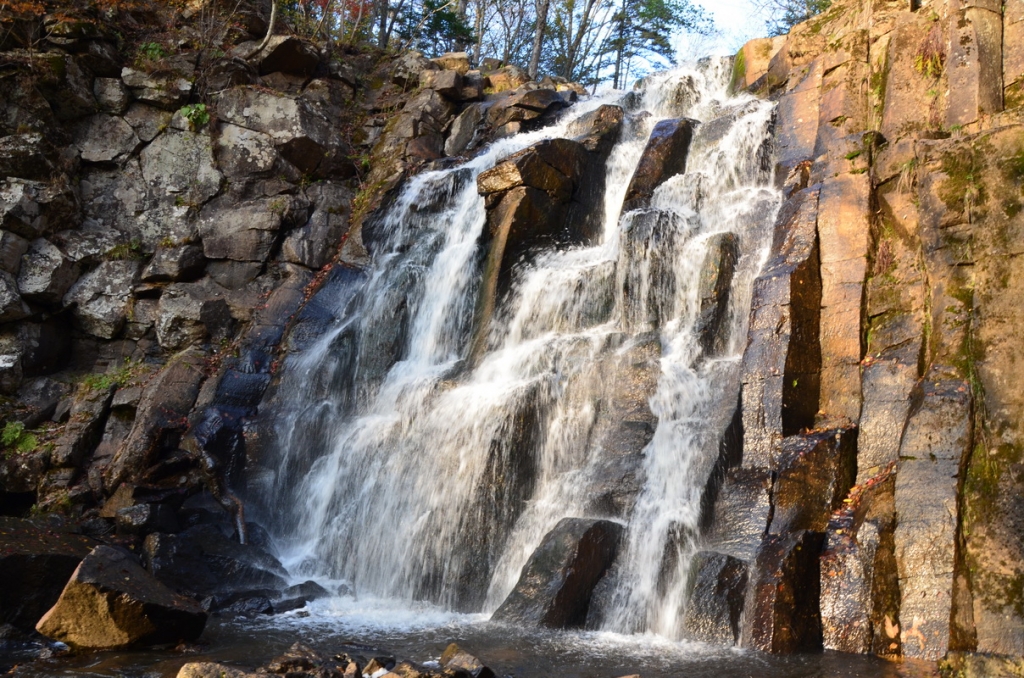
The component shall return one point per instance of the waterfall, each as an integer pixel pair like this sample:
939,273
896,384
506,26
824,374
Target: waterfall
412,475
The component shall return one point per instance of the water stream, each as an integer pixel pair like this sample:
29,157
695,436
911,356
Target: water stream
409,476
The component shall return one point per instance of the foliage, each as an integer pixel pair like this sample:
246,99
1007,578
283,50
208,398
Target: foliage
930,58
130,251
16,440
196,115
782,15
642,30
120,377
151,51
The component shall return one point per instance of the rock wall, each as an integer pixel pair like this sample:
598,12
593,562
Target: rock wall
884,316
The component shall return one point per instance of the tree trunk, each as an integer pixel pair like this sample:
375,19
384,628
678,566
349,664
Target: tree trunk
538,36
481,8
270,26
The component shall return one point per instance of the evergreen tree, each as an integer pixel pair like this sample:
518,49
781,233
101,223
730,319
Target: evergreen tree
642,30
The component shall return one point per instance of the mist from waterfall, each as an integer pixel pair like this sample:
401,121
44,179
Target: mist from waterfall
412,475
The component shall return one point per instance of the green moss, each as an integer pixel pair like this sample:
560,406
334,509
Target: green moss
119,377
963,189
1013,96
16,440
739,71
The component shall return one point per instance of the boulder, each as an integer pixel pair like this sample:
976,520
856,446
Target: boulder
167,87
228,72
288,54
160,418
101,297
90,246
464,132
716,603
36,561
111,602
557,582
203,562
663,157
11,305
30,209
453,61
598,130
212,670
507,78
300,133
175,264
407,69
315,244
64,84
715,283
147,121
447,83
649,281
111,95
242,153
456,659
741,513
146,518
781,614
532,106
24,156
191,314
105,138
46,273
181,165
247,231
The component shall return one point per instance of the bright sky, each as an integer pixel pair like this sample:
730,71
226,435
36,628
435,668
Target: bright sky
736,20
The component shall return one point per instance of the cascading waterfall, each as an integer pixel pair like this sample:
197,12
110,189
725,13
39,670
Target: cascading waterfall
412,476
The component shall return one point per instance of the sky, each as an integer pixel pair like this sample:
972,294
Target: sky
736,20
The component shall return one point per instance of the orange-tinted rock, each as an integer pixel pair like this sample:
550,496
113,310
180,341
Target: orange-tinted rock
975,76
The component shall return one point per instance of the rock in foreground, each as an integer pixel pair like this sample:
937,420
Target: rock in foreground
111,602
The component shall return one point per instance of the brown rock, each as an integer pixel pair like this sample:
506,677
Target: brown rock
664,157
111,602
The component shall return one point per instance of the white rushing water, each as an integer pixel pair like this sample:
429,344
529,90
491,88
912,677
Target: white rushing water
412,477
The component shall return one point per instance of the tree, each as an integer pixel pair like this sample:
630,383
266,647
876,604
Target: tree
540,25
782,15
643,29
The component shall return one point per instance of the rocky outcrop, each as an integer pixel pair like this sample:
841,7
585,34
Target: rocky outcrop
556,584
664,157
111,602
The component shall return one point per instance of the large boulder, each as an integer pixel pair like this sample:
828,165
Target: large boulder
102,296
716,604
663,157
105,138
180,165
167,87
46,273
556,584
35,561
24,156
715,284
247,231
191,313
31,209
111,602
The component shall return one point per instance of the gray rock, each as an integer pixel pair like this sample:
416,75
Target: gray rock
167,89
242,153
741,513
175,264
188,314
247,231
407,68
180,164
88,247
447,83
12,247
464,131
105,138
24,156
111,602
147,121
146,518
64,84
11,374
299,132
111,95
31,209
11,305
101,297
46,273
314,244
715,284
230,72
233,275
86,420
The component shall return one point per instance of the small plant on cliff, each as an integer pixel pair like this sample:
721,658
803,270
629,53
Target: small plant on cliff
16,440
120,377
196,115
930,58
129,251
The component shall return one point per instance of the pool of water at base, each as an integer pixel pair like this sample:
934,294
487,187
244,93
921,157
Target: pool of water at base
373,628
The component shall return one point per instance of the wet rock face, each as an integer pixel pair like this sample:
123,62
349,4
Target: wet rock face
664,157
714,610
111,602
557,582
715,283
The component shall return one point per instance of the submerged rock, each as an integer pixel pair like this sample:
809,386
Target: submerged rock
557,582
111,602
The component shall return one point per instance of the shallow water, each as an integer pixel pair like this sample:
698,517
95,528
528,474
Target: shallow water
371,628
